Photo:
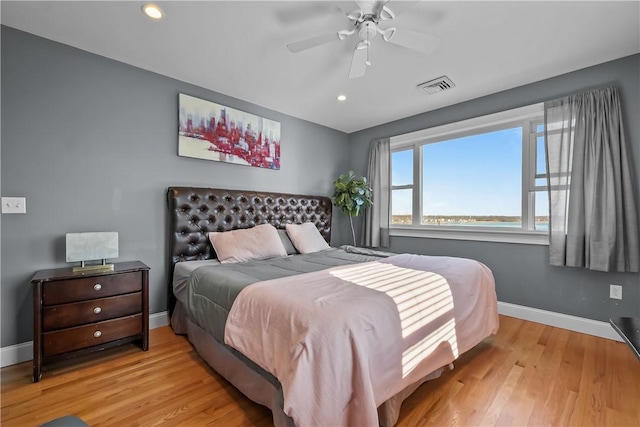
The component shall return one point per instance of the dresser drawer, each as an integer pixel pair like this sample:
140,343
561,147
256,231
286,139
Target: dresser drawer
80,337
80,313
80,289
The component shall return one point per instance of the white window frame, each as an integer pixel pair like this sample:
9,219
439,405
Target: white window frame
529,117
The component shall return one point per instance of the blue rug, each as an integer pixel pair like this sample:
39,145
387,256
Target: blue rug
66,421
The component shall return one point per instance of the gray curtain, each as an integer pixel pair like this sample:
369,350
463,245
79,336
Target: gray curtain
376,219
593,219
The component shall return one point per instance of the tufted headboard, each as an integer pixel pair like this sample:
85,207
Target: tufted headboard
194,212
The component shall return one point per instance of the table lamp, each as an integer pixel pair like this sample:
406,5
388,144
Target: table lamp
92,247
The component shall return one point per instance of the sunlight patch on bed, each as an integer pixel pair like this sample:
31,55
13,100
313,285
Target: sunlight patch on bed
413,356
421,298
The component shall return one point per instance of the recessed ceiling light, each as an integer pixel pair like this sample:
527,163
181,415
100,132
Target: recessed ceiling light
152,11
342,98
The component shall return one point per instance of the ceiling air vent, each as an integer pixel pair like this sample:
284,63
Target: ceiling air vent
436,85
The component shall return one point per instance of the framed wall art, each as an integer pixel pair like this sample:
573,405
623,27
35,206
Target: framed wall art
214,132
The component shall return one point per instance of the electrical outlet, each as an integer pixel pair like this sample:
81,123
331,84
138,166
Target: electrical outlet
615,291
14,205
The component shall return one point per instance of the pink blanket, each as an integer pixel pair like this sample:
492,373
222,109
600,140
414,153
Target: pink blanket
342,341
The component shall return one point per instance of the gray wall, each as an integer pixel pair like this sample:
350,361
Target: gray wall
92,145
522,272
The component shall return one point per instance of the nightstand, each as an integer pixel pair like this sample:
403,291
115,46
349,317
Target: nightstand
81,312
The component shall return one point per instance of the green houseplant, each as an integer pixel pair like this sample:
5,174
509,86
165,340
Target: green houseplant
353,195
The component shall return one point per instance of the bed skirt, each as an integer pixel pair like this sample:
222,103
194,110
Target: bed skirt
256,386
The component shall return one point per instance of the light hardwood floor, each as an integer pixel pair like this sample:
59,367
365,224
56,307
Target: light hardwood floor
527,375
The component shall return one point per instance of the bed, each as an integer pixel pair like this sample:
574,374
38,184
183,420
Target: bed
304,370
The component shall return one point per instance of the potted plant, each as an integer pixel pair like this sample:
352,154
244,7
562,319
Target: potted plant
353,195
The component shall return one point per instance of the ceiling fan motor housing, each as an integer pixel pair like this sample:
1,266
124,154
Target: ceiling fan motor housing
367,30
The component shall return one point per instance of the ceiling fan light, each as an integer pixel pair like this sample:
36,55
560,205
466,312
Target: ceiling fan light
386,14
363,44
355,15
388,33
343,34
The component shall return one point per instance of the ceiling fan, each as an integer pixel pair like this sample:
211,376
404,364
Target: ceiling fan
366,24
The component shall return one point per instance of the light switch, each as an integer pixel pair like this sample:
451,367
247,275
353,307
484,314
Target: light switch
14,205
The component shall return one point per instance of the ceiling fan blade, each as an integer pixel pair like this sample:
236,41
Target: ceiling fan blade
381,11
350,10
365,5
419,42
312,42
404,6
346,6
358,62
372,7
299,12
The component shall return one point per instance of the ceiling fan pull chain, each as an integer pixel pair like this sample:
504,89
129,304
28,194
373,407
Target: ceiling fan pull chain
368,62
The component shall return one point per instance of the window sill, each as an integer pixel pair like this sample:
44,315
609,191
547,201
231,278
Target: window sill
482,235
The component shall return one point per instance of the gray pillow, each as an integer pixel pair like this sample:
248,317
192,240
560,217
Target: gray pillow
286,242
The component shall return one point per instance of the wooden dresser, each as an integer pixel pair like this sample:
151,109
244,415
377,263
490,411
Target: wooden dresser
75,313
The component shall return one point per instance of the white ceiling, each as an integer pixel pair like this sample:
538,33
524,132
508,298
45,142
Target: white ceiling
238,48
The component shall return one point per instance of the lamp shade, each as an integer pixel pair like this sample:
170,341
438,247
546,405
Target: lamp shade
92,246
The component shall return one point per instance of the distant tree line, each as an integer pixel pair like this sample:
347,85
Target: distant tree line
406,219
470,218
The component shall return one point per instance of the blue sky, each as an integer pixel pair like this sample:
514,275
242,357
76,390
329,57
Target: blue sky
475,175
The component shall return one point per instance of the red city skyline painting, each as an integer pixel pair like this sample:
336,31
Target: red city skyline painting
214,132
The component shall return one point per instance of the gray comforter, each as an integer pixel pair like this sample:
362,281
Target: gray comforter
211,290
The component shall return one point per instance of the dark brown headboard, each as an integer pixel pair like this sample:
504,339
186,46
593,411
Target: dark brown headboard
194,212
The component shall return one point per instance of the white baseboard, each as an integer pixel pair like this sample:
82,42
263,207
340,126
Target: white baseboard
16,354
157,320
22,352
559,320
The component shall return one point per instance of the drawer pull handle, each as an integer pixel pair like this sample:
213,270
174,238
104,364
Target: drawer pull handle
97,334
97,310
97,287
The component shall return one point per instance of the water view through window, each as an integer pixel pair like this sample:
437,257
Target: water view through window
472,181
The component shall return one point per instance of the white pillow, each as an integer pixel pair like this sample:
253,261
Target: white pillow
286,242
306,237
247,244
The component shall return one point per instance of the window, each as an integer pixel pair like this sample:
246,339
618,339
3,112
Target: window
402,186
481,179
